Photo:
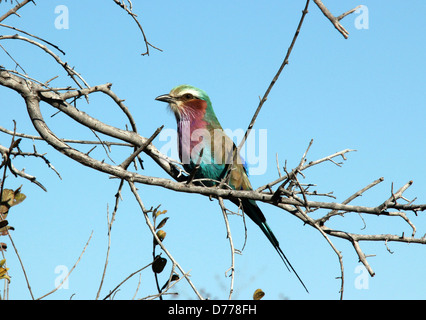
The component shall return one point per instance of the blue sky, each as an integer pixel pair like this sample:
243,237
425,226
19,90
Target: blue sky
364,93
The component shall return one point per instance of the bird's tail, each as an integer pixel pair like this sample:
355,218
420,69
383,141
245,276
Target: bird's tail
253,211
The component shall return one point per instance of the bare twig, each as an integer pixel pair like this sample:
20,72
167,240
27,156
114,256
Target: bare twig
71,72
134,16
34,36
69,273
236,150
32,137
332,18
348,12
15,9
231,244
275,79
127,278
109,224
152,229
140,149
352,197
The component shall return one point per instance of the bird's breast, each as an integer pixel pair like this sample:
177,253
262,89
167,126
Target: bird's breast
193,136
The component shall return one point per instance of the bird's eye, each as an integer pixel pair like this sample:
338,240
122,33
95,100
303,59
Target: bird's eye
188,96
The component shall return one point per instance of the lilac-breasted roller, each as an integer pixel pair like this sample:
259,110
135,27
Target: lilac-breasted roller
204,146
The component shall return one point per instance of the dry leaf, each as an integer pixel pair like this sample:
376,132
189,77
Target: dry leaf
157,213
161,234
3,271
3,223
158,264
258,294
10,198
4,230
162,223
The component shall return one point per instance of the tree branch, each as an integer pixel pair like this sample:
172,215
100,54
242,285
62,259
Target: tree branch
335,21
15,9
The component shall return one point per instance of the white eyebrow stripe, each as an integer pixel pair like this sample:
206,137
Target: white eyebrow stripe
191,91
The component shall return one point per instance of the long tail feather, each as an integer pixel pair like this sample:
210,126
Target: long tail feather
276,245
253,211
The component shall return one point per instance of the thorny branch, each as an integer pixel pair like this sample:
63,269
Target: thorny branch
285,192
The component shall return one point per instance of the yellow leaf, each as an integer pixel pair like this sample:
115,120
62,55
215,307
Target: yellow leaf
7,196
10,198
4,276
6,201
19,197
3,271
258,294
157,213
161,234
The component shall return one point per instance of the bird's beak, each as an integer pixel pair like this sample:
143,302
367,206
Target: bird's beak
165,98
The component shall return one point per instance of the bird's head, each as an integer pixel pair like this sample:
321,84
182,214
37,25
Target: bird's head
186,101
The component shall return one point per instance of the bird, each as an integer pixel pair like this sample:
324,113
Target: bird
207,152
